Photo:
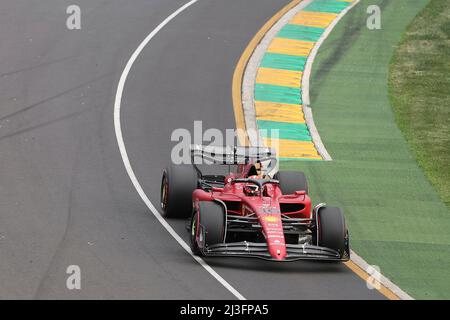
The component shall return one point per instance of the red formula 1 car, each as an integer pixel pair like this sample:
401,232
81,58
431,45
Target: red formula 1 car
247,213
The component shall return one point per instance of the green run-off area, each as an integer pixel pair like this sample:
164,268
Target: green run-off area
419,85
396,219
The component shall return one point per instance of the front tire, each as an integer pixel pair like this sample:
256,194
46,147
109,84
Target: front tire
332,230
209,218
177,184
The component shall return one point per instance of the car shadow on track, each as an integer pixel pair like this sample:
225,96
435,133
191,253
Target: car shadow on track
278,267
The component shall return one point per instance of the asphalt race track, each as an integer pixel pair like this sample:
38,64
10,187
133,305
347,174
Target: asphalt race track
65,197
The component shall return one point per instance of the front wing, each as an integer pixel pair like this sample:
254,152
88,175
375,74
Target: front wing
260,250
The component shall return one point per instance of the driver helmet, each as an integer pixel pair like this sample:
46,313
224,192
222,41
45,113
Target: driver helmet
251,189
259,168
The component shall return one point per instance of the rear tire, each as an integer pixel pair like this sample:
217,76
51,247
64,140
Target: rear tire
178,183
332,230
291,181
211,216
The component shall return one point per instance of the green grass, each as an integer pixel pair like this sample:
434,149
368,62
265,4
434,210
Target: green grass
419,85
396,219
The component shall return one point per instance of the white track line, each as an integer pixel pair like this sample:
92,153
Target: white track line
126,160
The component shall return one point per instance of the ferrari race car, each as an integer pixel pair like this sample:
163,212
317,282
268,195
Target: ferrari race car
254,211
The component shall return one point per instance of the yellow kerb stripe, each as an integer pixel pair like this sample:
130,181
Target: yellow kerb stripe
293,149
314,19
278,77
273,111
290,47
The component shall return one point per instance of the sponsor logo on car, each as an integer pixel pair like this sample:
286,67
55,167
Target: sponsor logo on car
271,219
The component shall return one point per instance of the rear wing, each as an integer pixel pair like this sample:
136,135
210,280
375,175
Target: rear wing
229,155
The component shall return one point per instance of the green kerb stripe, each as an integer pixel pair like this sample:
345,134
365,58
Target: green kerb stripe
290,131
267,92
299,32
283,61
327,6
